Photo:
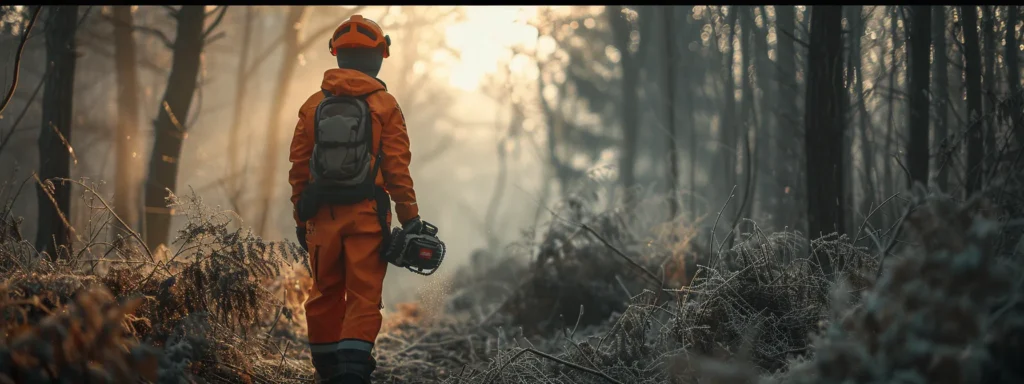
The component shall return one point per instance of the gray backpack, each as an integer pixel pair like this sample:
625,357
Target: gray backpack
343,138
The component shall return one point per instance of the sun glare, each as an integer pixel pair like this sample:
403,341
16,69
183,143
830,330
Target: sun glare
484,39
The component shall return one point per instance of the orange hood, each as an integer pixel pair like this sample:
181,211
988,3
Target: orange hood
350,82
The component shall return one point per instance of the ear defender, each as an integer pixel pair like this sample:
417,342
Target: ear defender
387,48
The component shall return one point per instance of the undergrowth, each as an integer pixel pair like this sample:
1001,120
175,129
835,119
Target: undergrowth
597,294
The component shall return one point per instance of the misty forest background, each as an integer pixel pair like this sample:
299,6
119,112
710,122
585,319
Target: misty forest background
746,119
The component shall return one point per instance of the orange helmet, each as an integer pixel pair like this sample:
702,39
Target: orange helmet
359,32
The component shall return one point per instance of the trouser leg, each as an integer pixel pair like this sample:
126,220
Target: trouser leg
349,361
326,305
364,281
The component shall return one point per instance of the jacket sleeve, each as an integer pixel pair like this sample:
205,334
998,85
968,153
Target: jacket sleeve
397,156
301,150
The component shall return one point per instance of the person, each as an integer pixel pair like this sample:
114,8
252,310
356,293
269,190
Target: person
350,157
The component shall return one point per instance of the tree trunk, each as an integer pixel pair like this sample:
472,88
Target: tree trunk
972,67
867,152
919,53
787,117
767,132
940,100
1013,70
851,14
54,234
823,118
126,171
621,30
747,109
241,91
727,132
169,130
989,84
290,59
670,90
890,133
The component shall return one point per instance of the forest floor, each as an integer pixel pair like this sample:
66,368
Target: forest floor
595,300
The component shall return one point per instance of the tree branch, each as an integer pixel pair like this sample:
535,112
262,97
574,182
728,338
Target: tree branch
797,40
156,33
216,22
7,137
148,30
215,37
173,13
17,59
215,9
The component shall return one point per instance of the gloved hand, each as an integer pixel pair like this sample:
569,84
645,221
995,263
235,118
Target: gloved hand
413,225
300,233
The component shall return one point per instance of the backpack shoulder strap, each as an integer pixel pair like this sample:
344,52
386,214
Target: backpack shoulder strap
380,142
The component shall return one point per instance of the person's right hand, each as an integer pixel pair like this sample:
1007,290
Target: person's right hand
413,225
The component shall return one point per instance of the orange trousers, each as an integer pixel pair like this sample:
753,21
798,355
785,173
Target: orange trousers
344,302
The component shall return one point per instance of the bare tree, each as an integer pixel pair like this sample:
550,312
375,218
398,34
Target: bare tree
125,190
668,21
989,80
972,67
917,118
823,117
727,132
768,130
1013,69
622,29
787,115
169,129
241,92
941,90
55,151
747,124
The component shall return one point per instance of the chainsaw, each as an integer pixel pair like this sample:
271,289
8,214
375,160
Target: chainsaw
420,253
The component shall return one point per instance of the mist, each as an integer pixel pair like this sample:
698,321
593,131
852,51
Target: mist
588,166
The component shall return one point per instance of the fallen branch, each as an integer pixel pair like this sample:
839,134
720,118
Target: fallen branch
560,361
649,274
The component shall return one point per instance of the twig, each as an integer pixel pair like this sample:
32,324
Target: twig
791,36
711,245
107,206
216,22
7,137
906,172
560,361
214,38
17,59
156,33
171,11
649,274
85,15
856,236
892,240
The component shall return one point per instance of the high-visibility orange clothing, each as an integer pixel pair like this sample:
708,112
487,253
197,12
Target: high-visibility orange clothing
344,240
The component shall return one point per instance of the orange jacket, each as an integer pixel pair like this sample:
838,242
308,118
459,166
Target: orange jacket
388,125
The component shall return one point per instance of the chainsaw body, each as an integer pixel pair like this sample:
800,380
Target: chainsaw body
420,253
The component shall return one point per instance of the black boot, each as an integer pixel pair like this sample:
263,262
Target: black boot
344,367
